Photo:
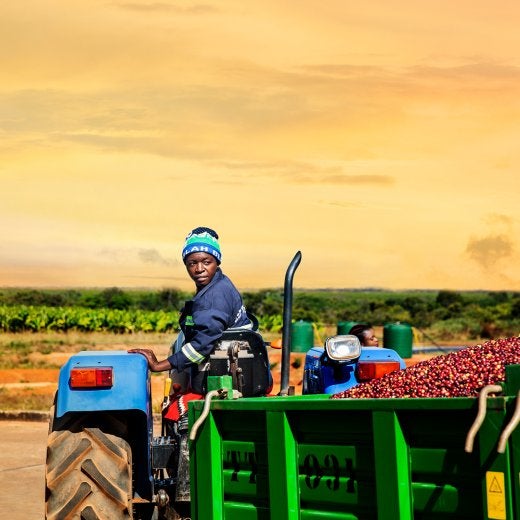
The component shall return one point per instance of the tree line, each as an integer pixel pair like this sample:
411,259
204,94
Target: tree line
445,314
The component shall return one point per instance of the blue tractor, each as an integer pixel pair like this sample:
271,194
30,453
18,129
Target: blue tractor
105,460
342,363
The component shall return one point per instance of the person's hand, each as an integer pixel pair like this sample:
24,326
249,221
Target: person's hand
153,363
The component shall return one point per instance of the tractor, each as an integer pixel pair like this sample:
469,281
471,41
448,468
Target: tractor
105,460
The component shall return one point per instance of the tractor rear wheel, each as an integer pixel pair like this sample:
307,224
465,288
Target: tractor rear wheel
89,472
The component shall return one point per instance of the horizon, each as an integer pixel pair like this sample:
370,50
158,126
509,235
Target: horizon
259,289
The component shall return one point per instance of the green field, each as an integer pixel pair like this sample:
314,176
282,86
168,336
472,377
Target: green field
441,315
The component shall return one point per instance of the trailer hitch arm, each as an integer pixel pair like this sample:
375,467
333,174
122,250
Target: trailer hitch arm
508,430
479,419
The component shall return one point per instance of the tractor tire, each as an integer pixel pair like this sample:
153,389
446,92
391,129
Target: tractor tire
89,472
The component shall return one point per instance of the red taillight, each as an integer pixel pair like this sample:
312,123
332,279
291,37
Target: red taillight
276,343
373,369
91,377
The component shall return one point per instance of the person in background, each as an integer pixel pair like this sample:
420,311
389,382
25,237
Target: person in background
366,335
216,307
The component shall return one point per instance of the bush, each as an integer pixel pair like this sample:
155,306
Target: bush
448,330
449,314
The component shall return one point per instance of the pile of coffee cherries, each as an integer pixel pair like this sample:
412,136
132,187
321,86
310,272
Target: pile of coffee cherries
459,374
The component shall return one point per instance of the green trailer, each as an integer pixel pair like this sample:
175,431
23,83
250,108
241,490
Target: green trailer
316,458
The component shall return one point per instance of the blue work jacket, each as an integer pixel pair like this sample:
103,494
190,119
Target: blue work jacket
215,308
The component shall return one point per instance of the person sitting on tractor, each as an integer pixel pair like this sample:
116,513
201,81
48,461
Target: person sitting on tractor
366,335
216,307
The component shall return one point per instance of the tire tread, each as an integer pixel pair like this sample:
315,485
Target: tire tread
89,471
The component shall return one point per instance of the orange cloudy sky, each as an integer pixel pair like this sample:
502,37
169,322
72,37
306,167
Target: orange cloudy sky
380,138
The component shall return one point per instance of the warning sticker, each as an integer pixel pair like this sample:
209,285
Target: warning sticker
496,498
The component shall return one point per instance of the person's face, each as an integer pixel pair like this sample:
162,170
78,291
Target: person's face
370,339
201,267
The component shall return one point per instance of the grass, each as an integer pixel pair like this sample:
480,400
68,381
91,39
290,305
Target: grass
18,399
42,350
50,351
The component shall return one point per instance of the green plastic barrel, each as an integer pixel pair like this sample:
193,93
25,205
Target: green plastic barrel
399,337
345,326
302,336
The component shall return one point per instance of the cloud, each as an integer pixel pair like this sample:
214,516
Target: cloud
152,256
164,7
303,172
489,250
316,108
358,179
500,219
474,69
341,204
128,256
395,80
342,70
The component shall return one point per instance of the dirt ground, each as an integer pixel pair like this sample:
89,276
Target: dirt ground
22,469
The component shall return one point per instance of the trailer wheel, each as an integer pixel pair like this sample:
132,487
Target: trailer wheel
89,472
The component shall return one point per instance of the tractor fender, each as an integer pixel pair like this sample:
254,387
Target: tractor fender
381,354
130,390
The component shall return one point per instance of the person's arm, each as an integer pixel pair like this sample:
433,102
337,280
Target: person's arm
153,363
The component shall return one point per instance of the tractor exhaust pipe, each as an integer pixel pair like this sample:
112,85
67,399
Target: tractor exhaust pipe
287,318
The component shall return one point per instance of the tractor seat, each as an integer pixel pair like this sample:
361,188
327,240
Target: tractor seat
242,354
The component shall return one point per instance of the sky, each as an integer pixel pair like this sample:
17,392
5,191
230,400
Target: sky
379,138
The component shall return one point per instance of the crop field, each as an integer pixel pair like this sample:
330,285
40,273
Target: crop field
443,315
40,329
